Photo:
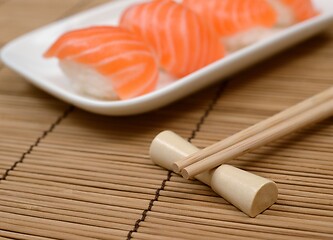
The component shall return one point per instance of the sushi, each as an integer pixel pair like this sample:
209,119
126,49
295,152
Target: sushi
106,62
182,41
125,61
238,23
229,17
293,11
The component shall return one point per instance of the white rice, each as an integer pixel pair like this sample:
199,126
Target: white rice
246,38
87,81
285,15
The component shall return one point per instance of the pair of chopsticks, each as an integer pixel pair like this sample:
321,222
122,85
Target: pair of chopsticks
309,111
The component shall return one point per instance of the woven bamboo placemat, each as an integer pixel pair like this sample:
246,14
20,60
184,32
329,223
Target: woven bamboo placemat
69,174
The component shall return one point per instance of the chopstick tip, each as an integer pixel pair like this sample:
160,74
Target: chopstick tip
185,174
176,168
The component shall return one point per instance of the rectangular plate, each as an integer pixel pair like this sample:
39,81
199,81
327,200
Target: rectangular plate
24,55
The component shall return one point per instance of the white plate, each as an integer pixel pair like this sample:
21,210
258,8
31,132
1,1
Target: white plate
24,55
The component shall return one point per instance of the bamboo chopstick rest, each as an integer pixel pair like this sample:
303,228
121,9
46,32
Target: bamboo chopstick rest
250,193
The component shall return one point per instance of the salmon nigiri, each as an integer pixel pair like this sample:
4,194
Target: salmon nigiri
106,62
238,22
229,17
183,42
293,11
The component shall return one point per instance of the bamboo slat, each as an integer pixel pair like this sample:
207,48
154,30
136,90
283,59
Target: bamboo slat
69,174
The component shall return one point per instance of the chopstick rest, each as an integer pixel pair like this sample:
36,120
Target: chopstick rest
250,193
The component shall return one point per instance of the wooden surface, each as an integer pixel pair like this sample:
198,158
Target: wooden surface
69,174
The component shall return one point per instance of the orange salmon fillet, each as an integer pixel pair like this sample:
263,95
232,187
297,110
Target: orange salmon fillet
113,52
181,40
302,9
229,17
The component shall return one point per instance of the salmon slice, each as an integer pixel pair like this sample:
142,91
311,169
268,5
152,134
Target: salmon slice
303,9
293,11
229,17
181,40
106,62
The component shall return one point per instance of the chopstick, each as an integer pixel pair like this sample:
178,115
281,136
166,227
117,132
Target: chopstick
309,111
255,129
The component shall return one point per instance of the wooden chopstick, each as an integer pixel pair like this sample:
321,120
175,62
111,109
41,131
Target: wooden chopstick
300,115
255,129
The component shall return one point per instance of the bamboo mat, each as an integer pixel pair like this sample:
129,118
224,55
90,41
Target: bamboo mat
69,174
